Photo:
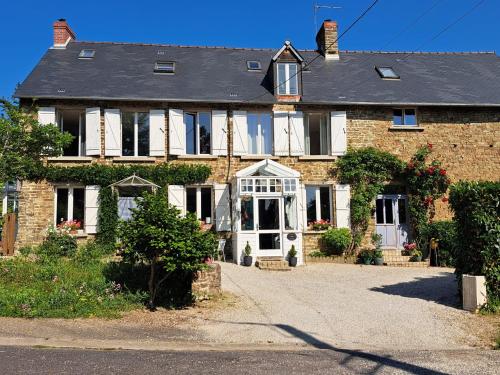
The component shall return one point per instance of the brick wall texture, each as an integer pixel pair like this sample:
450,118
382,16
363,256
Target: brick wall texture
467,141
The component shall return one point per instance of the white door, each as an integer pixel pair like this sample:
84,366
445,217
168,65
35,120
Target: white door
269,226
392,220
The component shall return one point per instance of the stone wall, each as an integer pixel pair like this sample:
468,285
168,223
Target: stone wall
207,282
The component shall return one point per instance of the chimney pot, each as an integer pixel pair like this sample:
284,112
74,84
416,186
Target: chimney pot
62,33
327,40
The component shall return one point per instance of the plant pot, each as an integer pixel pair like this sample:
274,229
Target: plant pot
367,261
247,260
379,261
416,258
292,261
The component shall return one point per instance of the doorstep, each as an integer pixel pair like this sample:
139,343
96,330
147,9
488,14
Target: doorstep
272,264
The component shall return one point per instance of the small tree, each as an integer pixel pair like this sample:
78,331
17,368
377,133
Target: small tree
158,235
24,142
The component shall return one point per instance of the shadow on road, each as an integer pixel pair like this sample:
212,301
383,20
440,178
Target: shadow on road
441,289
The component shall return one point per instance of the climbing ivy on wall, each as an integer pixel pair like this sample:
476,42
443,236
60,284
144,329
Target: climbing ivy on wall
104,175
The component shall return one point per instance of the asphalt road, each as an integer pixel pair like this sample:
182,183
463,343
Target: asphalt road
24,360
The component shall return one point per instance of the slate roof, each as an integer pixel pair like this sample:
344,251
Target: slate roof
124,71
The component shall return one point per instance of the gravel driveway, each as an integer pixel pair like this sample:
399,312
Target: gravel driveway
348,306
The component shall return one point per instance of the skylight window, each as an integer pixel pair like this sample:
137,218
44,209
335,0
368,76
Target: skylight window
165,67
386,72
254,65
86,54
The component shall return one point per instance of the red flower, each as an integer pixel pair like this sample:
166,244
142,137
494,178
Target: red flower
429,145
444,199
411,165
442,172
430,170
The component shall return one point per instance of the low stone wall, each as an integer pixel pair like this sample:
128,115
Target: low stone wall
331,259
207,282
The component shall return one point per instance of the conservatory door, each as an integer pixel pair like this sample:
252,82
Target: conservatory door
269,227
391,220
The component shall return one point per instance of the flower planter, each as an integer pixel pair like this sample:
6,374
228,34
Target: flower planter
379,261
292,261
247,260
416,258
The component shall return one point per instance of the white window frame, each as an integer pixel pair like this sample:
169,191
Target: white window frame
318,200
260,137
287,79
136,133
197,130
70,188
403,116
271,185
307,137
60,124
198,201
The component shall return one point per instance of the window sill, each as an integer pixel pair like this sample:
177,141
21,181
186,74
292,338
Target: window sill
134,159
318,157
259,157
310,231
406,128
202,157
82,159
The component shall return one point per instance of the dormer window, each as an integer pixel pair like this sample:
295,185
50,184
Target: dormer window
288,83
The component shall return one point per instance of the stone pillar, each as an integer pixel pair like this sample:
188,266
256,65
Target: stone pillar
207,283
473,292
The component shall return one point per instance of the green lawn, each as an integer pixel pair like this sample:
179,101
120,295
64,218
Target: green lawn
61,288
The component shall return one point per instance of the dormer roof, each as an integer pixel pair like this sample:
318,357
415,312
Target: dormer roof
288,46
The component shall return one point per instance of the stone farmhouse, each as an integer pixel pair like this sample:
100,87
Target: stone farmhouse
270,123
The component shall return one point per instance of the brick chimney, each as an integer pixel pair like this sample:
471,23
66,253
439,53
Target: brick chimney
62,33
327,40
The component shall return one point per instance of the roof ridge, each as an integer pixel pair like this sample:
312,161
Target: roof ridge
422,52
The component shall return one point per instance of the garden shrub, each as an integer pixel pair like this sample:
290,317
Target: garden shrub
57,244
476,207
445,232
337,240
92,251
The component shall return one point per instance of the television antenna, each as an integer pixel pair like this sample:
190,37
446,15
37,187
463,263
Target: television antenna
316,8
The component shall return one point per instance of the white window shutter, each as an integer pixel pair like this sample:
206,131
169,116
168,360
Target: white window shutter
47,115
296,133
222,208
176,197
112,132
93,131
176,132
91,208
219,133
280,127
302,211
240,133
339,132
343,206
157,132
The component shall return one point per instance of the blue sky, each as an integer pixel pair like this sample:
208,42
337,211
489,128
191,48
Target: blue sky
26,27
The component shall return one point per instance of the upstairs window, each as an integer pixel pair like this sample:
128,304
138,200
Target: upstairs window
73,122
165,67
135,134
86,54
404,117
254,65
260,137
288,83
317,134
198,132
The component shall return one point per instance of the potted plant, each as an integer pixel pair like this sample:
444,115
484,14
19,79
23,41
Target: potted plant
247,258
416,256
378,255
292,256
409,248
366,256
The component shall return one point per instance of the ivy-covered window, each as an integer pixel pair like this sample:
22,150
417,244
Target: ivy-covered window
70,204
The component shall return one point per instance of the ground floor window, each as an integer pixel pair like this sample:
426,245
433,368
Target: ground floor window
318,203
199,202
247,213
70,204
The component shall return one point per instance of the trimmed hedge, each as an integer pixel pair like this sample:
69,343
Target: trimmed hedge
337,240
476,206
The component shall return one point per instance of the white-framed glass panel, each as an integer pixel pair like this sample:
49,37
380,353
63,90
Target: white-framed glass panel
198,132
291,222
275,185
70,205
247,215
317,134
135,133
261,185
246,185
290,185
386,72
404,116
288,82
73,122
199,202
318,204
260,136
